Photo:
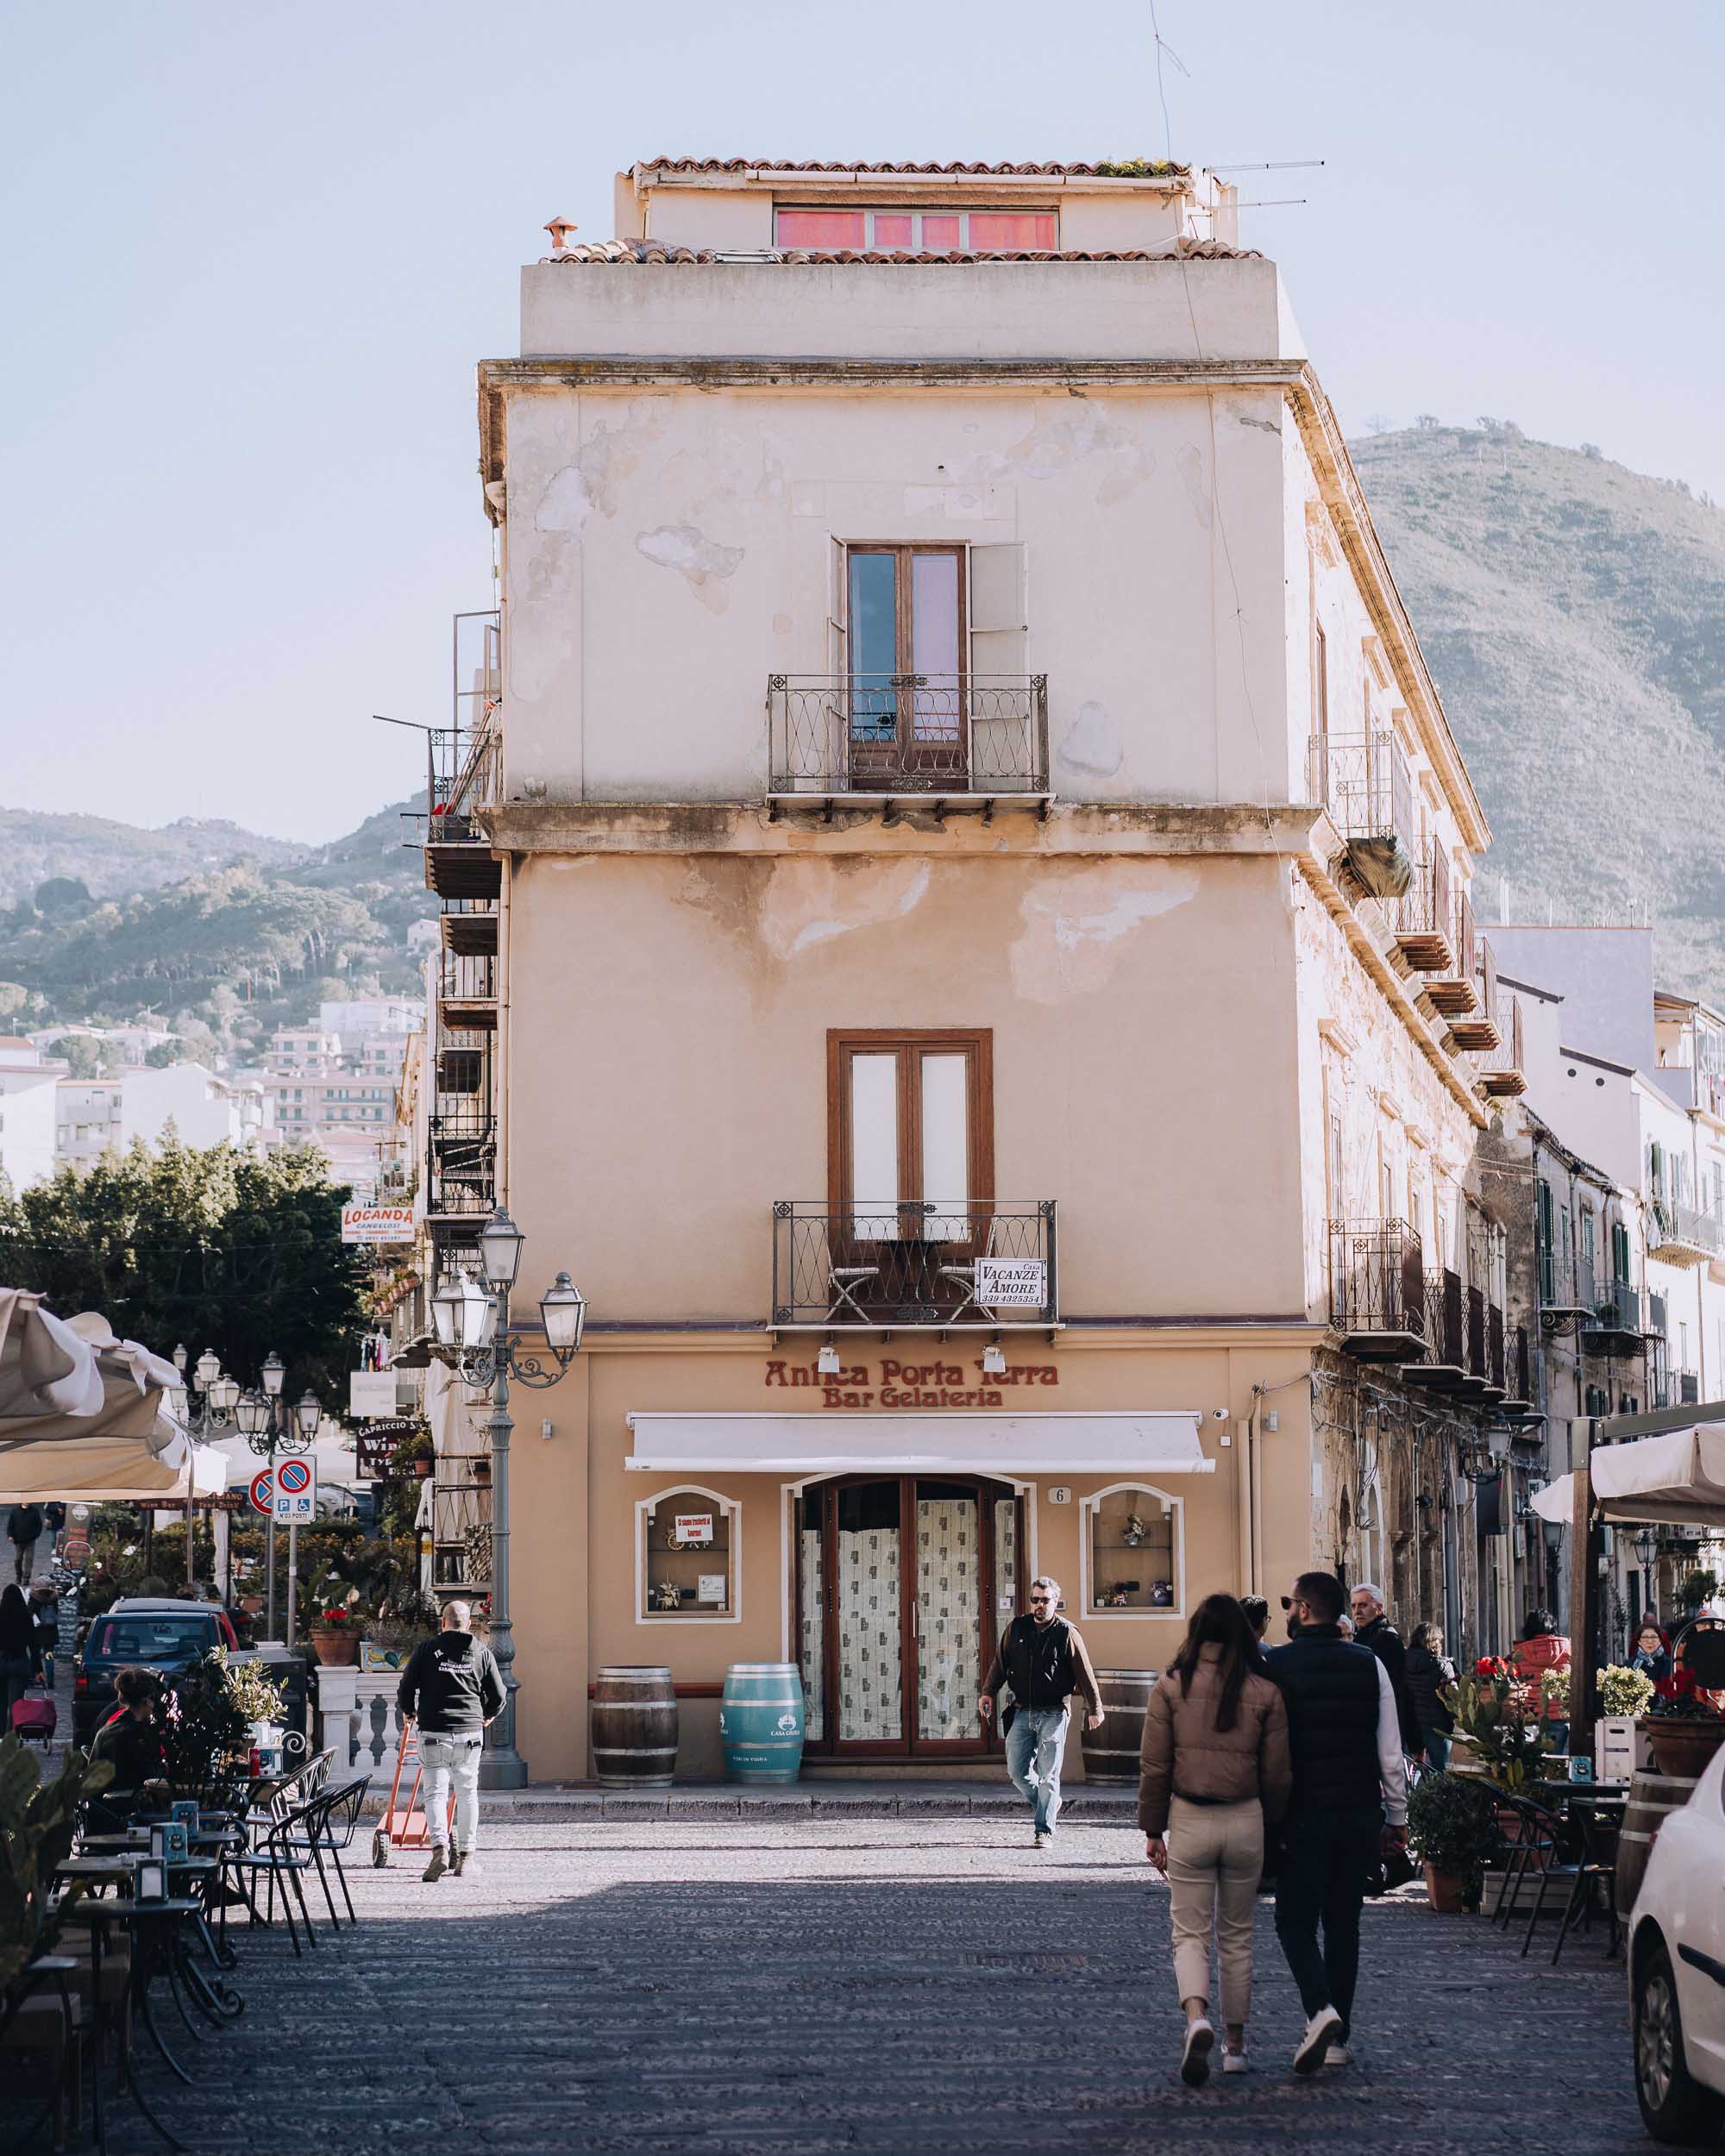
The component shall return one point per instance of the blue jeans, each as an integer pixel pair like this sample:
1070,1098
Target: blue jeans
1034,1745
1437,1750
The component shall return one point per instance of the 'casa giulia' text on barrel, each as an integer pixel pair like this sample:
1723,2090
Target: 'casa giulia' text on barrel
1111,1753
634,1727
760,1723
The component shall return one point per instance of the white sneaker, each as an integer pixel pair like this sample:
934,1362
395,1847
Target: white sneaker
1235,2062
1338,2055
1043,1838
1320,2031
1194,2060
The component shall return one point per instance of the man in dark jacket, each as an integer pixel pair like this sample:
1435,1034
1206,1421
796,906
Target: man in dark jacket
23,1531
452,1688
1045,1660
1345,1739
1373,1629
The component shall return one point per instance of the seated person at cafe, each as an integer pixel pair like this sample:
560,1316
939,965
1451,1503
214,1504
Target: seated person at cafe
131,1741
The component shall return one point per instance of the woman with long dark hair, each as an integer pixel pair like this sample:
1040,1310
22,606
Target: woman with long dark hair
1215,1767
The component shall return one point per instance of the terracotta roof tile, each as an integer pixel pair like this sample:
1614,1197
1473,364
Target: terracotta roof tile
654,252
1104,168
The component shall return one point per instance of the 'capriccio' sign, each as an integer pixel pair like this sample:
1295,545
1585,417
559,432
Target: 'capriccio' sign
932,1384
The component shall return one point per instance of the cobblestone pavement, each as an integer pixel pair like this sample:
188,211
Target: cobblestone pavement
863,1984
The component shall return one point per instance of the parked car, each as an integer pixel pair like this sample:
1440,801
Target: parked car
1677,1970
142,1632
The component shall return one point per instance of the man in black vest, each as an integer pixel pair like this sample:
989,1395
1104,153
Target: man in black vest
1045,1660
1345,1738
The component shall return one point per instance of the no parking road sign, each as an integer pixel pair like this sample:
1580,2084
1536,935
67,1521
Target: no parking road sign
262,1490
295,1498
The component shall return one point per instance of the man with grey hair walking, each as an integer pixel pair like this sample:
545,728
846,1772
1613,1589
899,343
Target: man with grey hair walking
1045,1660
452,1688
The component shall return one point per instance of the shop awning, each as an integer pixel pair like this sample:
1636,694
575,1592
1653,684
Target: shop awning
1121,1442
1676,1478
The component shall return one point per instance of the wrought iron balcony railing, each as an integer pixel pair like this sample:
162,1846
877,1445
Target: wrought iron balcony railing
1682,1234
461,1166
1378,1289
1501,1072
1364,782
886,734
1619,1319
921,1266
1423,919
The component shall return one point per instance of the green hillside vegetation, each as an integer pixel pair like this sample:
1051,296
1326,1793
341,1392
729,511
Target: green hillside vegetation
113,860
1573,615
234,952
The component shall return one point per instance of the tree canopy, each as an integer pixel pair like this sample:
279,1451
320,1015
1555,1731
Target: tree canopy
215,1248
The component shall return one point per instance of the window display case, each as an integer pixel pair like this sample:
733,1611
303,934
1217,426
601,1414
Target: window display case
687,1560
1132,1546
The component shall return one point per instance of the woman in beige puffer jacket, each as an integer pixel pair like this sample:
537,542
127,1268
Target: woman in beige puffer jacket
1215,1769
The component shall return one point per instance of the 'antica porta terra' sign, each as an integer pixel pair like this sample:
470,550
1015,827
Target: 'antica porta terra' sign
927,1384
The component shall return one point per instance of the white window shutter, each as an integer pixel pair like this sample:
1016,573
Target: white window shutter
835,596
999,609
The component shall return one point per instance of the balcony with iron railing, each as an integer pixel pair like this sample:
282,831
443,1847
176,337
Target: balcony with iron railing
1475,1032
1676,1389
1455,993
1378,1291
461,1526
1422,920
463,764
1682,1234
467,993
1363,782
460,1172
920,1266
1619,1320
1501,1072
956,736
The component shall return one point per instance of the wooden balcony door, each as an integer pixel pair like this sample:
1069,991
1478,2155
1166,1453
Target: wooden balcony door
908,726
903,1585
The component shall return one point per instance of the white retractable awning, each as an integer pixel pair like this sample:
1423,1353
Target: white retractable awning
1120,1442
1676,1478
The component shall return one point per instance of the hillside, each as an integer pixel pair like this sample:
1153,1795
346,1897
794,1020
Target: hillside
1573,615
113,860
249,943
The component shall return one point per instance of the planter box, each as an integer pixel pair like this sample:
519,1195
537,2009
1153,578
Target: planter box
1619,1749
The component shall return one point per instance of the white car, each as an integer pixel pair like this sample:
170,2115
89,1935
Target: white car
1677,1970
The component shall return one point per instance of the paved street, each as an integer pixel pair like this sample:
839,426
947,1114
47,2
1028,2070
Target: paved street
864,1983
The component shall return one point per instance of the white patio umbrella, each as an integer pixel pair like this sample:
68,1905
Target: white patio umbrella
1678,1477
45,1368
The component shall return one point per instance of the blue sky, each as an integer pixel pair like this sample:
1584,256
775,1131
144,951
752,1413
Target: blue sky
252,254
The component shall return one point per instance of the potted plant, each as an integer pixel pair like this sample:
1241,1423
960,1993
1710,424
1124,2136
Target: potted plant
414,1455
1452,1829
37,1822
335,1636
1500,1720
1683,1729
261,1701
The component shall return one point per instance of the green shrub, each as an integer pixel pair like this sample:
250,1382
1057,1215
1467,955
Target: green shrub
1452,1827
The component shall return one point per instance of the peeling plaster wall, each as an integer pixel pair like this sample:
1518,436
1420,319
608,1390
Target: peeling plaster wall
666,552
670,1080
1358,1061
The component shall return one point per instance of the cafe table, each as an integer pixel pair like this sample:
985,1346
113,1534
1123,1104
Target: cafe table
98,1914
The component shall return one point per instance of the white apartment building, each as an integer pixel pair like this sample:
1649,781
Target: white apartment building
205,1108
88,1121
28,1085
132,1042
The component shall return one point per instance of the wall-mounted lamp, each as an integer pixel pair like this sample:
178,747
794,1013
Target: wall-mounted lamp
993,1360
827,1361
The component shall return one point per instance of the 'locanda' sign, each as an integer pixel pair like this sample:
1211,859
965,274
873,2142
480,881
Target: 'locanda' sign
936,1383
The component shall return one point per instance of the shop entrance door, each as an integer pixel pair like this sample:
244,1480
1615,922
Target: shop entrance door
902,1585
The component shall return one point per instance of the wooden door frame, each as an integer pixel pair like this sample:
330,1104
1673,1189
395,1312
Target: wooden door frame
988,1490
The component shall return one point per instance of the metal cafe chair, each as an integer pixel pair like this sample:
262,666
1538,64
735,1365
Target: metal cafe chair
844,1283
1531,1841
1578,1856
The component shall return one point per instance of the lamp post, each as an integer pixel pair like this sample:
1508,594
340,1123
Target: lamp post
268,1424
1647,1549
470,1319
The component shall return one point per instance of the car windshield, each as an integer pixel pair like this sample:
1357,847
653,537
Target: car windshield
147,1638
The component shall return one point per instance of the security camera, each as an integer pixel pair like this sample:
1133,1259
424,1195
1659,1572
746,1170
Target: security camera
1219,1414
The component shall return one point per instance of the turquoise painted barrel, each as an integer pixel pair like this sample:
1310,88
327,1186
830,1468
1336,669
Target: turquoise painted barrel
760,1723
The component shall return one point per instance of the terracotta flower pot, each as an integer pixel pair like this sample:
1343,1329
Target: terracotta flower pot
1443,1888
1683,1748
335,1649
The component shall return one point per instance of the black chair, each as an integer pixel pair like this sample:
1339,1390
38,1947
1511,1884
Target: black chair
337,1822
1581,1856
1530,1848
279,1855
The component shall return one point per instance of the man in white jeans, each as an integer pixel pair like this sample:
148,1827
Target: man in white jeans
452,1688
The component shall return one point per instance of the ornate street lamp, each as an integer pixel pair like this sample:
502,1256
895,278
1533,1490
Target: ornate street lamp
470,1319
1647,1549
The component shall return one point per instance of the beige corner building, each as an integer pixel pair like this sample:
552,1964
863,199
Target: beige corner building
957,937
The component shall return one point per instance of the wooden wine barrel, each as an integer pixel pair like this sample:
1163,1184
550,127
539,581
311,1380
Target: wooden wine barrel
760,1723
634,1727
1111,1753
1652,1798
